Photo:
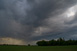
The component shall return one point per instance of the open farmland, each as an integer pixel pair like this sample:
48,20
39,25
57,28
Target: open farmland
38,48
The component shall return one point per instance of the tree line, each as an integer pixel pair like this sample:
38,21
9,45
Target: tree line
58,42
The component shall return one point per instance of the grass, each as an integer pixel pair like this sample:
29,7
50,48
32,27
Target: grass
38,48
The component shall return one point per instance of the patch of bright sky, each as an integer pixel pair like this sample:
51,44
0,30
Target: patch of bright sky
71,11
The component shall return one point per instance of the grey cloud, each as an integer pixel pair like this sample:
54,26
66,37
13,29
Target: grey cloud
32,20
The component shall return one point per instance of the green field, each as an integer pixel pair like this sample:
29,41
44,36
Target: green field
38,48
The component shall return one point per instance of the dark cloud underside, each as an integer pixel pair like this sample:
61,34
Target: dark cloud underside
32,20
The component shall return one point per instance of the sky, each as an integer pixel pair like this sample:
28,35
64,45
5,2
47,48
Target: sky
25,22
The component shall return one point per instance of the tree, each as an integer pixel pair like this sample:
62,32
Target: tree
28,44
60,41
52,42
42,43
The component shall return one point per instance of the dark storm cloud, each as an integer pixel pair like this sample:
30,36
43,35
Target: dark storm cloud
32,20
1,6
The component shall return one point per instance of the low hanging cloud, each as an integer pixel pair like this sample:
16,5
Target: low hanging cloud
32,20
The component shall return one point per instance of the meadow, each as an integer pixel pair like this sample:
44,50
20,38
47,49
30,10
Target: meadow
38,48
